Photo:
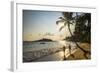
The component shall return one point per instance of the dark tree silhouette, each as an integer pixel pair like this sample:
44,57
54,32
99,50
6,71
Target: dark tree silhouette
83,25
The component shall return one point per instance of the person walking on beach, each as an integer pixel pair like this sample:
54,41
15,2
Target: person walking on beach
64,48
69,49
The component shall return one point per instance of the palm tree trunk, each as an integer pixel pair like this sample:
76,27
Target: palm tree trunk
85,52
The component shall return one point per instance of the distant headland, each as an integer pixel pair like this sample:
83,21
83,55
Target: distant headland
41,40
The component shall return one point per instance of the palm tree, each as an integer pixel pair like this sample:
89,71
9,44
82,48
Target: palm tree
68,20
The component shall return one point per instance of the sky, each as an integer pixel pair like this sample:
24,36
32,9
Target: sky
42,24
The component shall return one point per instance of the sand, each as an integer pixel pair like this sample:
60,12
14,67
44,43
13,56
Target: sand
79,54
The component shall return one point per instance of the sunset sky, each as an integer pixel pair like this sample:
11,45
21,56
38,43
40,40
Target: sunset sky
42,24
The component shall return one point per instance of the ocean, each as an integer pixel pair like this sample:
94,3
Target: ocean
46,51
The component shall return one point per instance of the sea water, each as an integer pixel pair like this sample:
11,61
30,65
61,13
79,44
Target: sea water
32,47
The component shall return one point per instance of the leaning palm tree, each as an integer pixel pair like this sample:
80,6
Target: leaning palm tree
68,20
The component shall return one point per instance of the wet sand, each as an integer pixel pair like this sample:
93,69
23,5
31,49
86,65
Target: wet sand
57,54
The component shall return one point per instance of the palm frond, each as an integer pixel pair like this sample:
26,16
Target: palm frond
61,18
61,28
67,15
65,23
57,22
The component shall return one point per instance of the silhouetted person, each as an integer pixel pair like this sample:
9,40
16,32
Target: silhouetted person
64,48
70,51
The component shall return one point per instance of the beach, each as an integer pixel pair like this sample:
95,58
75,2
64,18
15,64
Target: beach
50,51
53,51
79,54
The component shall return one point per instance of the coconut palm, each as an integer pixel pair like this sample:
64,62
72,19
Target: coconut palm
68,20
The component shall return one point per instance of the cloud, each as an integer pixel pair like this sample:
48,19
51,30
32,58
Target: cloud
49,34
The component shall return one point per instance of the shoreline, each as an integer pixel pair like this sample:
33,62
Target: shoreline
54,53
